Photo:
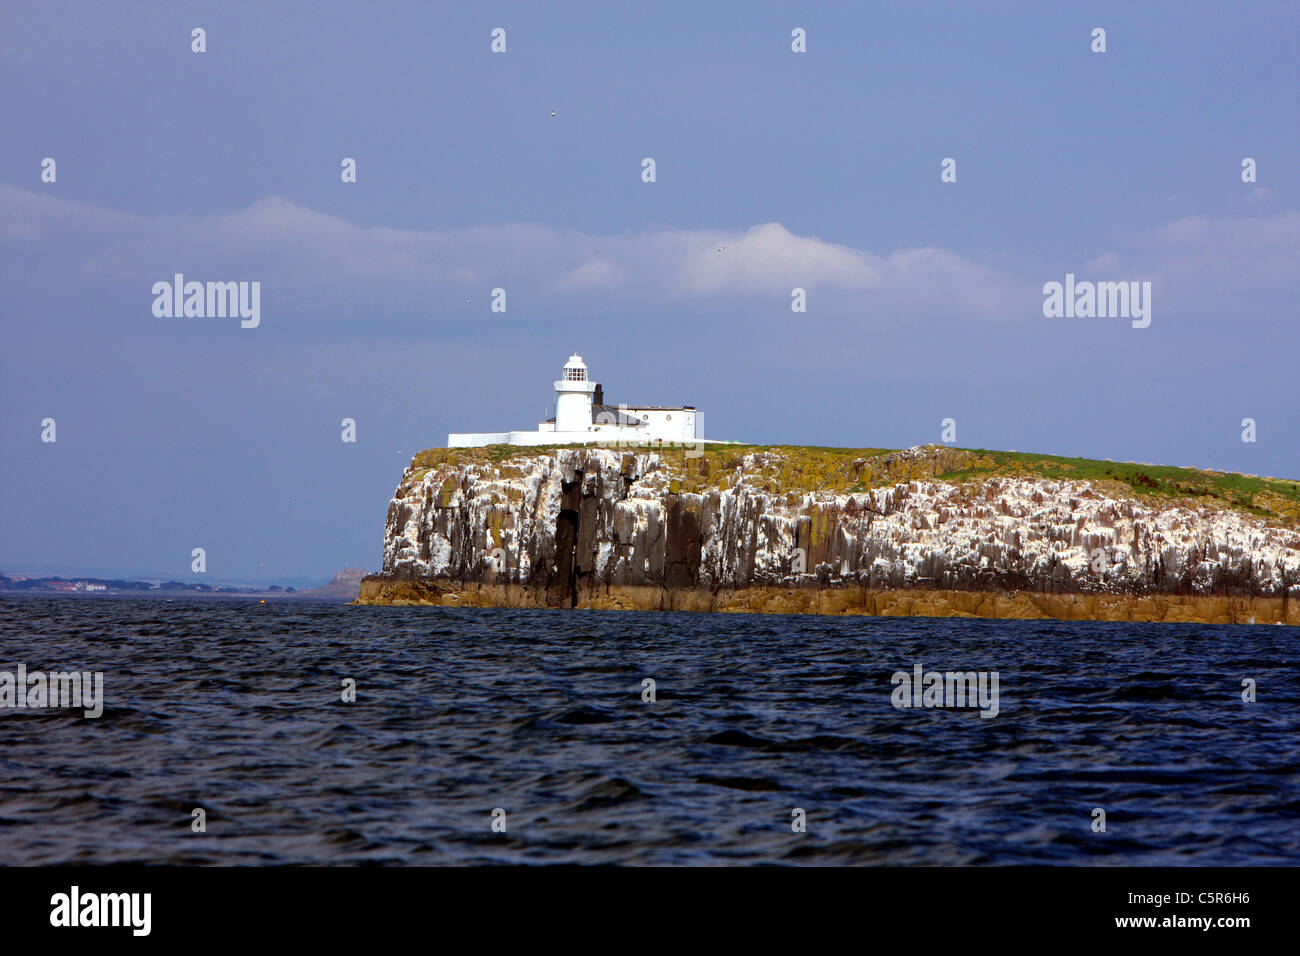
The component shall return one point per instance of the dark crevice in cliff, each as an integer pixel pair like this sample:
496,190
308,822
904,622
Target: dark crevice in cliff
564,586
685,543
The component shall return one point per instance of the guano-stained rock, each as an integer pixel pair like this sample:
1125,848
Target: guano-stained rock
607,528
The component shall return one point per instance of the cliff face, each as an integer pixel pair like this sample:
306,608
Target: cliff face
607,528
345,586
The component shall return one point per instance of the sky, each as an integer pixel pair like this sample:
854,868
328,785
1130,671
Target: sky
773,170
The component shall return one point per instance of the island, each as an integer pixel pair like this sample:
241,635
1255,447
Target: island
932,530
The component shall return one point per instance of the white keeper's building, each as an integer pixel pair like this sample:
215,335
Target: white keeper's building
582,417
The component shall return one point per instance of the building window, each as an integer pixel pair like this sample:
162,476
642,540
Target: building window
575,374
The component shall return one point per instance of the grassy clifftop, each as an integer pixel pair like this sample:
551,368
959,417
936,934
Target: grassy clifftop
790,468
1268,497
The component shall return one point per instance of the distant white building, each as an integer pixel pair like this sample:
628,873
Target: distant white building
582,417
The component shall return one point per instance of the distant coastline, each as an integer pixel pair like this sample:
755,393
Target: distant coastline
344,587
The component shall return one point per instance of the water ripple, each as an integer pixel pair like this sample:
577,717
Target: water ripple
236,708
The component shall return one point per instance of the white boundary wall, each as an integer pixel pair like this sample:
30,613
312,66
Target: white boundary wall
598,435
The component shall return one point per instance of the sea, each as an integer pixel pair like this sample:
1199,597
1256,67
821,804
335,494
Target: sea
236,732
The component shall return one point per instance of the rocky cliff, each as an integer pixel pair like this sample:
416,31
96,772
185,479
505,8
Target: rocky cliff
931,530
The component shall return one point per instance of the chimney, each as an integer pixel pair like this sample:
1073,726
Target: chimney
599,397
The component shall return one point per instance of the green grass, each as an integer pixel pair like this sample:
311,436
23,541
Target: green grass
846,470
1270,497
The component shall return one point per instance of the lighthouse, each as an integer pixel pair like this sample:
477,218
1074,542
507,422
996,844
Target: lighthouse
573,397
583,416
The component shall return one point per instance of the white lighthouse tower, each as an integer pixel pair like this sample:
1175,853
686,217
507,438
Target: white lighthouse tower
583,416
573,397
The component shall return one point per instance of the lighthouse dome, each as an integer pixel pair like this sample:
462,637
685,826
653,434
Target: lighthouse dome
575,370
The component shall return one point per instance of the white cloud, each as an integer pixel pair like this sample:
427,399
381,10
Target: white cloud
1199,251
766,259
667,265
334,264
595,273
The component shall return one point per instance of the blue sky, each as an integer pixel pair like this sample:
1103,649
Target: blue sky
818,170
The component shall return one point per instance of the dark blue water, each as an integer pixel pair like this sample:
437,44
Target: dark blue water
236,707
